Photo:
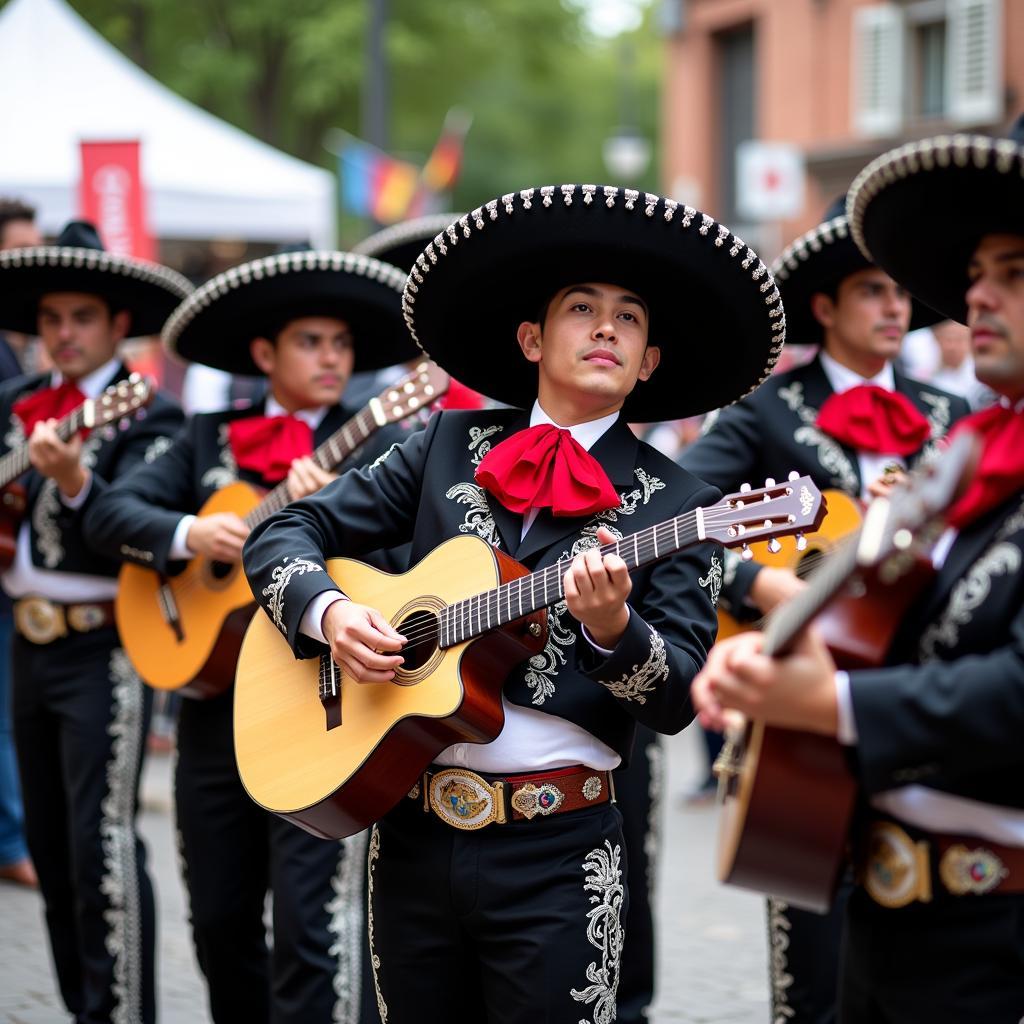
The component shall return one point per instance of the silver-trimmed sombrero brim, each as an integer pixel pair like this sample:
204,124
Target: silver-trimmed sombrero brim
715,310
149,290
401,243
919,210
216,324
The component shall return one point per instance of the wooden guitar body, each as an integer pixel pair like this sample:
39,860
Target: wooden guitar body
335,781
210,602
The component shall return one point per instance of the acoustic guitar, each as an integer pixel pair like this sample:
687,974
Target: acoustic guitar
843,518
183,632
335,756
787,796
117,402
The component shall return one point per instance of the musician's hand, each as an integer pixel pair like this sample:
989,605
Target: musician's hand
796,692
882,487
360,637
305,477
774,586
596,589
219,536
57,459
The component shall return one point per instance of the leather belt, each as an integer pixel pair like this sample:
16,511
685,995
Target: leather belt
899,869
41,621
468,801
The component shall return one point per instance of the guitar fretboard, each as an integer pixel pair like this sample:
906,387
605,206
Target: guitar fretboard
330,454
16,461
481,613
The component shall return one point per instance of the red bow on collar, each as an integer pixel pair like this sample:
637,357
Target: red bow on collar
48,404
1000,470
870,419
268,445
544,467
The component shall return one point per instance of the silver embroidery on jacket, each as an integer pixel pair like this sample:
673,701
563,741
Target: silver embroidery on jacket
604,932
15,435
157,447
226,473
479,441
778,960
831,456
938,414
713,581
120,883
345,908
479,519
282,576
633,685
44,524
371,859
380,458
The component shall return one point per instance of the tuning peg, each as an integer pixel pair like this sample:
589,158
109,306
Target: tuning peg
801,542
769,481
744,488
793,475
774,546
745,553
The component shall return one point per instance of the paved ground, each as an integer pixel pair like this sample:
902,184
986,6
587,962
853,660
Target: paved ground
712,939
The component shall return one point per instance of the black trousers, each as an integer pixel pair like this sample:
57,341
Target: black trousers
638,790
804,952
512,924
957,959
80,720
234,853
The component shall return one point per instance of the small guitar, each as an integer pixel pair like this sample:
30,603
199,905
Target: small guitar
183,632
117,402
844,517
787,796
334,758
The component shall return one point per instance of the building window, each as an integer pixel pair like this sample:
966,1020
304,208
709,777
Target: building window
928,68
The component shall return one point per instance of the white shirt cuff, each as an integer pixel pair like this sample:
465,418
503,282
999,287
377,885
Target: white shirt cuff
79,499
180,551
313,616
847,732
598,647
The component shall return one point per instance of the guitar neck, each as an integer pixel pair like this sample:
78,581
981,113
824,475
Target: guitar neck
16,461
492,609
332,453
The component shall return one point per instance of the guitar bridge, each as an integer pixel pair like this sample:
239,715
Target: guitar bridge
169,610
330,690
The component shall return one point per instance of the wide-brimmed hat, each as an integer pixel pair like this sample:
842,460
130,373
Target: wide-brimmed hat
217,323
816,262
401,243
919,211
77,262
714,309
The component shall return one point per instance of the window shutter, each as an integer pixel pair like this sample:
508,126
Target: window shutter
975,61
878,69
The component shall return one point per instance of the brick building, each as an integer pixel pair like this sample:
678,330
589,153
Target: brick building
842,80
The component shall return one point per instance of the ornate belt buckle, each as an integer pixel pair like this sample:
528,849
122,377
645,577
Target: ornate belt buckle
83,618
976,871
530,800
898,870
466,801
39,621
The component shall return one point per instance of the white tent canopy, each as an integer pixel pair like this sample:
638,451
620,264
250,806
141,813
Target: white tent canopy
63,83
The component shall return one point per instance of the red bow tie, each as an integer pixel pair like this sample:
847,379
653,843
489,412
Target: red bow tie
544,467
48,404
268,445
1000,470
871,419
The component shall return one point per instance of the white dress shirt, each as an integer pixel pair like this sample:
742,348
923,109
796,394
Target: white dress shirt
530,740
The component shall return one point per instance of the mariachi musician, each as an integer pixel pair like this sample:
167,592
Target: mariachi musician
80,712
849,419
302,319
933,929
561,302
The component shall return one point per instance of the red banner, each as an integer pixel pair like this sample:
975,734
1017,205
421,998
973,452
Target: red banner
113,198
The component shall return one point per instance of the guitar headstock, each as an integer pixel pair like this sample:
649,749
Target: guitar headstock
118,401
893,523
427,383
794,506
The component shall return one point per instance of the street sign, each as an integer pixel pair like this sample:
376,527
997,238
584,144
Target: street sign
769,180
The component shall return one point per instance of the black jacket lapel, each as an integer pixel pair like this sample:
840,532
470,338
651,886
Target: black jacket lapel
817,391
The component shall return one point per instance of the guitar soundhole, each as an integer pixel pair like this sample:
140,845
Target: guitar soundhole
420,631
221,570
218,575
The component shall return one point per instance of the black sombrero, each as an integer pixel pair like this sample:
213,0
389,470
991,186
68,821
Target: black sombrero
77,262
216,324
400,244
920,210
715,310
816,262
